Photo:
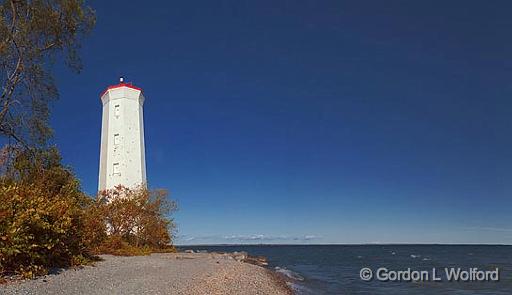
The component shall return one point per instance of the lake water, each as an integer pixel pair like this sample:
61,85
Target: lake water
335,269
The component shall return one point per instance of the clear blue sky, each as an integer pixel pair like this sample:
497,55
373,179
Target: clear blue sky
310,121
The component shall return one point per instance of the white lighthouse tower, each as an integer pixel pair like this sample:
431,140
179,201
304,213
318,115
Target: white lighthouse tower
122,154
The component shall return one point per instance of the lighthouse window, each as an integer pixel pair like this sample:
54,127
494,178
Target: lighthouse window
116,139
116,169
116,110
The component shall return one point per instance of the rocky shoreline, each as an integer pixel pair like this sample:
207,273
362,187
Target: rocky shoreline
241,256
169,273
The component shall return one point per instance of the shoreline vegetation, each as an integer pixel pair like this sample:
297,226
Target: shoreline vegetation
185,272
51,231
46,221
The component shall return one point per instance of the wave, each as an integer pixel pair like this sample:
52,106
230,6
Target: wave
289,274
300,289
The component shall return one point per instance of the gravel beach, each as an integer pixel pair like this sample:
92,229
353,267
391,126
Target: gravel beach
176,273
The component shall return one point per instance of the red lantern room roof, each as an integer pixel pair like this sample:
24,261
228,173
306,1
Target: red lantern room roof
122,84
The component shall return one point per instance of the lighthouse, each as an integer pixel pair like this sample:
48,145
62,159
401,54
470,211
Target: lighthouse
122,152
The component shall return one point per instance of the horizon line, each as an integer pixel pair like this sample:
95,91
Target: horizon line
347,244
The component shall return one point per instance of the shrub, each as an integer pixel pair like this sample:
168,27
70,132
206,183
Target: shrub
134,219
41,208
46,221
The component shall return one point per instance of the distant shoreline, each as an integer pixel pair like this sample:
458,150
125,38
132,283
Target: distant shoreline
367,244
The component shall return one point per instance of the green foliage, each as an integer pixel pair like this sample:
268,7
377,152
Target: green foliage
32,35
115,245
45,219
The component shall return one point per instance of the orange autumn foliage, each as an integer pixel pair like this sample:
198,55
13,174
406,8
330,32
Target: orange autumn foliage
47,221
136,218
41,206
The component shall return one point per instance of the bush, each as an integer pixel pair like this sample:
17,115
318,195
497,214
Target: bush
134,219
46,221
41,208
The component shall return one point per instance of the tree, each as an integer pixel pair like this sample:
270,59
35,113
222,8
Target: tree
33,34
